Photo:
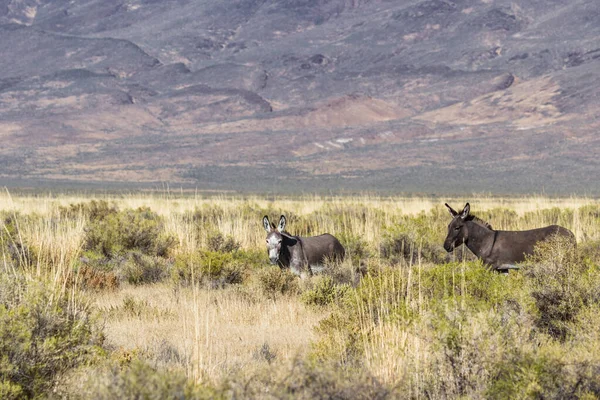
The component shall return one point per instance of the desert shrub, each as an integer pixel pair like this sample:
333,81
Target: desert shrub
471,282
138,379
116,233
356,248
140,268
543,374
272,282
131,244
381,294
94,210
250,259
221,244
403,296
217,268
339,340
590,251
307,380
471,349
205,216
344,273
415,239
561,284
43,333
324,292
207,267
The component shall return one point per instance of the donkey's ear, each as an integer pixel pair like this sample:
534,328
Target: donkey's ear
281,226
452,211
266,224
465,212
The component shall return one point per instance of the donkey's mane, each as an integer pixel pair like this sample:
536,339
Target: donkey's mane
478,221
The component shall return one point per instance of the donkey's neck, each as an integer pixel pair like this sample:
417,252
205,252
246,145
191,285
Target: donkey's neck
285,255
480,239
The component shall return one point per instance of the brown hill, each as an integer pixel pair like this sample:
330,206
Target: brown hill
292,95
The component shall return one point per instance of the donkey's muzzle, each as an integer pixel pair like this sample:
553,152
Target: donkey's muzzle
448,247
273,261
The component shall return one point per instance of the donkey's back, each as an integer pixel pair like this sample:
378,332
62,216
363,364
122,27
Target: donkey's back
317,248
514,246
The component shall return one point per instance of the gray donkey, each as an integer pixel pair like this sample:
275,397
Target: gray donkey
498,249
303,255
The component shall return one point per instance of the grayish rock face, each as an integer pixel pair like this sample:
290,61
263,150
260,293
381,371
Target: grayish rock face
430,96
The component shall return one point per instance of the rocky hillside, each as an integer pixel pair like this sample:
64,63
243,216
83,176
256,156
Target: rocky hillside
431,96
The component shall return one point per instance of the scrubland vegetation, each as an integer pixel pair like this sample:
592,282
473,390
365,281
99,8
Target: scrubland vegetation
158,297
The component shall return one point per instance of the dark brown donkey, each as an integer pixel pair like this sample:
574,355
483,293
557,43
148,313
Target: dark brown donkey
303,255
499,249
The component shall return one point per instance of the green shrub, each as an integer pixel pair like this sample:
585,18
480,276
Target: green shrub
545,373
471,348
304,380
207,267
221,244
43,333
415,239
139,380
130,230
130,244
560,283
272,282
590,251
380,294
356,248
470,282
140,268
10,391
94,210
324,292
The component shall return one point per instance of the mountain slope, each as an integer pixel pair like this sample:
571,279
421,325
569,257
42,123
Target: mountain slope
302,95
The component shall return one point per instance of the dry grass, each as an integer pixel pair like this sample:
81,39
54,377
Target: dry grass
212,332
249,233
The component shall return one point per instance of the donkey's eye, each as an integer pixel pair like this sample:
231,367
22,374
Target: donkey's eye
279,241
457,228
267,240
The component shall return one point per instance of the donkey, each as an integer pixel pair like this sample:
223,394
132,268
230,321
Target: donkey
498,249
303,255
